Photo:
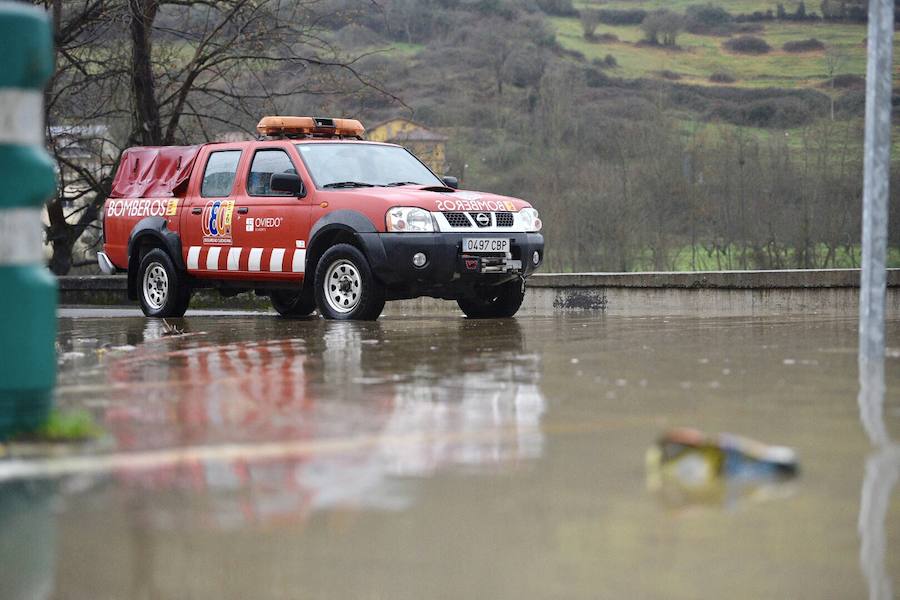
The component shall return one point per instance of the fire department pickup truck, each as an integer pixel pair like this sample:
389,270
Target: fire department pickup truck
314,217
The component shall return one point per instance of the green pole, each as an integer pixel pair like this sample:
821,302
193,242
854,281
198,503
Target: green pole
28,176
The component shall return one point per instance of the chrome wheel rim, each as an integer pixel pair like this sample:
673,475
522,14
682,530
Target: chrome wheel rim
156,286
342,286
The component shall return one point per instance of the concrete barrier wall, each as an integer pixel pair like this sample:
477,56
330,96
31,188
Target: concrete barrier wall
751,293
718,293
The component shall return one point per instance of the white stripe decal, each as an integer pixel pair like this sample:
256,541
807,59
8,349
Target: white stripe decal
212,259
299,264
22,117
277,260
193,261
234,259
255,258
21,236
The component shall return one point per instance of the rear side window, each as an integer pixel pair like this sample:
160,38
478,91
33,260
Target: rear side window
265,164
221,168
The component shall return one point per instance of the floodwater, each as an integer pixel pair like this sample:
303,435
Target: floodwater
435,457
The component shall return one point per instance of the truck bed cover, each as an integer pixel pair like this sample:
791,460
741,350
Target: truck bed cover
154,171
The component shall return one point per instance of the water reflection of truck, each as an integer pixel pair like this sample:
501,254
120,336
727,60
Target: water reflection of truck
353,448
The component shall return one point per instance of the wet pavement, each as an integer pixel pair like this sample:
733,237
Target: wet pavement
435,457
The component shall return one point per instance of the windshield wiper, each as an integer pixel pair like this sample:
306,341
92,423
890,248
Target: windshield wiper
396,183
348,184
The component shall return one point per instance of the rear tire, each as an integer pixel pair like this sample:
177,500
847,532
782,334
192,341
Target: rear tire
496,302
292,303
163,290
346,288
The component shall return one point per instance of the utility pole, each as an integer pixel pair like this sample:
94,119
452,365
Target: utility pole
875,217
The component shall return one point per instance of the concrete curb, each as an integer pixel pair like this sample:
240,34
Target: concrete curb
714,293
77,283
93,289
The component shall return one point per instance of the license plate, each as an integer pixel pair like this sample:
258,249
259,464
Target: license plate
485,245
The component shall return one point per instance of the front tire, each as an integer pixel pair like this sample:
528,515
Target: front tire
292,303
495,302
163,290
346,288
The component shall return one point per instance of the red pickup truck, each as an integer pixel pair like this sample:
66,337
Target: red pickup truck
313,217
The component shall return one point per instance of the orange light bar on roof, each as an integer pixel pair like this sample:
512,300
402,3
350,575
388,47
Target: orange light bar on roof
310,126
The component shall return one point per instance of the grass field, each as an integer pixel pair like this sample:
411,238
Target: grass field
701,56
732,6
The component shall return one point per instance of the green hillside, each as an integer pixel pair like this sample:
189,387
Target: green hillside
644,155
646,132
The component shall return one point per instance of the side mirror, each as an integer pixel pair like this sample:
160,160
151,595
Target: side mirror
451,182
287,182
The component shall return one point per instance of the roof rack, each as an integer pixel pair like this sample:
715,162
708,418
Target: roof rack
309,127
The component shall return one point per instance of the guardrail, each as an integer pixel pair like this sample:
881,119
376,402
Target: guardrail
710,293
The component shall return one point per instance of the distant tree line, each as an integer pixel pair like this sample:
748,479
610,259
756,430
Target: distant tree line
662,27
711,15
848,11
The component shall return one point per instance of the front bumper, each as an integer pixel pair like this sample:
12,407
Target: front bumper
448,273
105,264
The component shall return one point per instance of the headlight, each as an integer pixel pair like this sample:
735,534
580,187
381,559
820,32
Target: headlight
530,219
403,219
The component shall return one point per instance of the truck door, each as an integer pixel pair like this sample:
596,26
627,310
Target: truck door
207,230
269,227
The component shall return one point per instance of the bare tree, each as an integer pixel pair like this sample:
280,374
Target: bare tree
161,72
497,41
835,58
84,88
590,20
662,27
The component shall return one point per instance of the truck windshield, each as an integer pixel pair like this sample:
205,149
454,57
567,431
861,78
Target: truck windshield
362,165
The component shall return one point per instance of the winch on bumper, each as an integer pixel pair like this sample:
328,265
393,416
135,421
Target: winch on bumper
446,268
475,263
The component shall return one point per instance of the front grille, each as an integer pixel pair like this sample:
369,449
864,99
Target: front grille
457,219
499,219
487,223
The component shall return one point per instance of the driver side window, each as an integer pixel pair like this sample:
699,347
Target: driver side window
218,178
265,164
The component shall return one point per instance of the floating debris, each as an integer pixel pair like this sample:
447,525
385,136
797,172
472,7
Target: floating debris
123,348
687,466
169,329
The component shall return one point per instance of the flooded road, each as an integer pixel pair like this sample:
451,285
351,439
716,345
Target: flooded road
435,457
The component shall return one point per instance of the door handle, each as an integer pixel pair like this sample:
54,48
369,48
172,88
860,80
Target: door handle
243,210
196,210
